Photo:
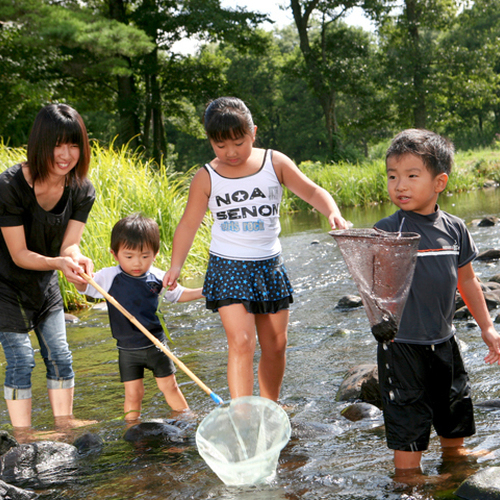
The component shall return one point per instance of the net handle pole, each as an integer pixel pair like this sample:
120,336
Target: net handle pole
151,337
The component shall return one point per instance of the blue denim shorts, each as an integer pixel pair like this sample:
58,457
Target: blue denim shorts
19,354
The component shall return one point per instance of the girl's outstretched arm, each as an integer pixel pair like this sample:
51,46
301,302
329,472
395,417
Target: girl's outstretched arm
290,176
190,294
185,232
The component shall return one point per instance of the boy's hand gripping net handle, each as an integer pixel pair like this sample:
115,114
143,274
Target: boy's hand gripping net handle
153,339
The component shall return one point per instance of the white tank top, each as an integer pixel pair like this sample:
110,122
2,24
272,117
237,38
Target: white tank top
246,214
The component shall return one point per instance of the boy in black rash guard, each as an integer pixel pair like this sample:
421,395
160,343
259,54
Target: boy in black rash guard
422,376
135,284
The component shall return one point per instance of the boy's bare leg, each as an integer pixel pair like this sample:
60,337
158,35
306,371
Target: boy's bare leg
407,460
134,392
453,447
173,395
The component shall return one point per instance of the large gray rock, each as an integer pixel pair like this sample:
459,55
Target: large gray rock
462,313
349,302
361,382
491,293
488,221
38,465
361,411
9,492
42,464
493,284
490,254
484,485
488,403
6,442
161,431
88,444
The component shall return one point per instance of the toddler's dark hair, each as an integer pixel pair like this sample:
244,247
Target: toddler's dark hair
135,232
227,118
436,152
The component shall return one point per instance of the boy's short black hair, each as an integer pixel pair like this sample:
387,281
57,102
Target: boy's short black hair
436,152
135,232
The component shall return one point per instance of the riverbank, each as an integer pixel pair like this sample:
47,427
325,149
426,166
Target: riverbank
365,184
126,183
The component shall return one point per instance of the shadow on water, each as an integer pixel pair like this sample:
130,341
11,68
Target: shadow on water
328,456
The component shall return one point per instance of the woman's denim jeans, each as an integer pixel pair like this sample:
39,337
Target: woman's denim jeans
19,354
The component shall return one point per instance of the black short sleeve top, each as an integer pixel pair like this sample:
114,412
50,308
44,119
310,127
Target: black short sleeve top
26,296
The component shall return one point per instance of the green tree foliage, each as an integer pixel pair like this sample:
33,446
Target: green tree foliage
28,70
334,56
470,104
287,114
114,59
410,42
165,76
66,53
319,89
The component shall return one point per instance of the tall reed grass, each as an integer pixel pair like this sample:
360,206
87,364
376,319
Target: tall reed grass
362,184
126,183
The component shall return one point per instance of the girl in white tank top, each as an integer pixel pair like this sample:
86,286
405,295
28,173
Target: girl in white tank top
246,281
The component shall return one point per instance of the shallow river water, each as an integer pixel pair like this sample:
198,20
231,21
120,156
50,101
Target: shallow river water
328,456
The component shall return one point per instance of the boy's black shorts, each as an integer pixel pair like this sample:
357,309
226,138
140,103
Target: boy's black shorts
424,386
132,363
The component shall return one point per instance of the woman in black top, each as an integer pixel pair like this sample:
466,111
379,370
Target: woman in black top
44,205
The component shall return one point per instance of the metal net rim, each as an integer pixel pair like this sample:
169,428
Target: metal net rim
375,235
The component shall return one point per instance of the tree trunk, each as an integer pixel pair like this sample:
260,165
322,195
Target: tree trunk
321,89
129,130
420,104
155,114
129,125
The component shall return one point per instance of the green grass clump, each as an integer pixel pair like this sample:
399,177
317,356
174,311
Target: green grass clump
366,183
125,184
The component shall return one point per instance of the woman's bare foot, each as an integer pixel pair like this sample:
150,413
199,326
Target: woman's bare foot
68,422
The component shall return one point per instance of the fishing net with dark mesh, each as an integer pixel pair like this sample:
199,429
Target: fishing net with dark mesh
382,265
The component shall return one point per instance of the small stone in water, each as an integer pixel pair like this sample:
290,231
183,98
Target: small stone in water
386,330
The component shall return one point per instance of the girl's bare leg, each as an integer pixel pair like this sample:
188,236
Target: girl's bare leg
241,339
272,332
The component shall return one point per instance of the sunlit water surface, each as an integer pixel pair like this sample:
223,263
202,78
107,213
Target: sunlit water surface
328,456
